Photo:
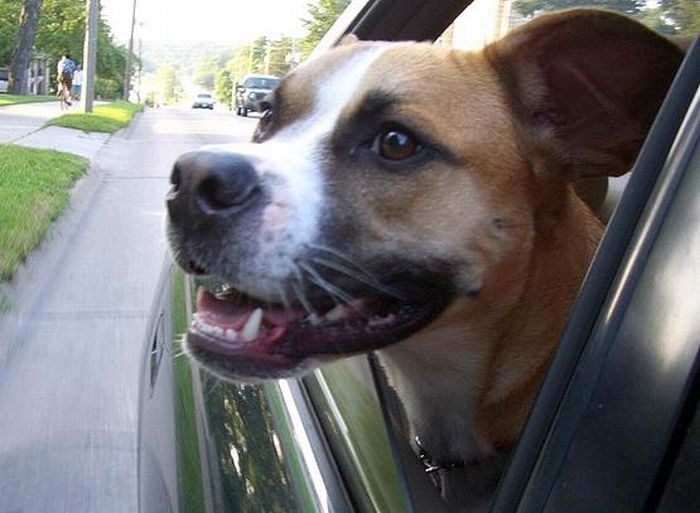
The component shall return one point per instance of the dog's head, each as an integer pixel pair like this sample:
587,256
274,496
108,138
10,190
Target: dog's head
387,181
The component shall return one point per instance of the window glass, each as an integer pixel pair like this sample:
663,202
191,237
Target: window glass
486,21
261,83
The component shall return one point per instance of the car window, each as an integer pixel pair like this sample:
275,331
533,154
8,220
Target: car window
261,83
344,395
485,21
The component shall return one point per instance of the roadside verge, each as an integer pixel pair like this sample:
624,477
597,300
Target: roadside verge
34,189
36,180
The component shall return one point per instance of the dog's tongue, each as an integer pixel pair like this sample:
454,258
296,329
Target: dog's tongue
234,312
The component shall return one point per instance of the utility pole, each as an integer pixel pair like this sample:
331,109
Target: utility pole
127,71
138,87
87,94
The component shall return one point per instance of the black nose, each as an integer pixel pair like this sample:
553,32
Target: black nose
209,184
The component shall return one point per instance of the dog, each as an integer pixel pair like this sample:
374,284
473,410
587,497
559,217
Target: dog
417,201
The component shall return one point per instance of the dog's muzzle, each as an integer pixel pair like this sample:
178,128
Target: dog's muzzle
208,186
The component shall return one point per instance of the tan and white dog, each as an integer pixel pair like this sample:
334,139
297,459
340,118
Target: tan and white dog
417,200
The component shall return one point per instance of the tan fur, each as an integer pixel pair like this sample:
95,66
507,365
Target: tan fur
468,380
488,208
516,124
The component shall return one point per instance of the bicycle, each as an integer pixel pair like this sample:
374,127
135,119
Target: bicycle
63,94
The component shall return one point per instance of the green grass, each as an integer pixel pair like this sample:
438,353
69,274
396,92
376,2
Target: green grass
34,189
13,99
104,118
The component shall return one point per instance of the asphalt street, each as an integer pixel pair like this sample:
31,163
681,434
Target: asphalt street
72,342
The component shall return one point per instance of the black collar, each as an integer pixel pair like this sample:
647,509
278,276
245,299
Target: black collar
430,465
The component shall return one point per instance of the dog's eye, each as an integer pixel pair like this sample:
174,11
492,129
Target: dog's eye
395,144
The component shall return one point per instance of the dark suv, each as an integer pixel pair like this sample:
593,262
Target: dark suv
251,92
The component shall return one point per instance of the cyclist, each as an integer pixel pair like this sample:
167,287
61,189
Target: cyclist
65,70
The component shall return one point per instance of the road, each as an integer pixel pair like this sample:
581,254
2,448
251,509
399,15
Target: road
71,346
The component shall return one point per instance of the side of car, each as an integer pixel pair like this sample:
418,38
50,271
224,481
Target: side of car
615,425
4,78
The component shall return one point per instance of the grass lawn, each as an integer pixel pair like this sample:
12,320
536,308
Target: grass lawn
13,99
104,118
34,189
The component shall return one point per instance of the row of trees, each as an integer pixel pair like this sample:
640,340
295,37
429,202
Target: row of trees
265,55
58,28
671,17
277,56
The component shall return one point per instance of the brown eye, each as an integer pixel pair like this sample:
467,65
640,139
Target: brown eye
394,144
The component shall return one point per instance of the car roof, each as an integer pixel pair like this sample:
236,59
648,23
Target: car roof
254,75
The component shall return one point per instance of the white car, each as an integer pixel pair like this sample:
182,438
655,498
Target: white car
203,101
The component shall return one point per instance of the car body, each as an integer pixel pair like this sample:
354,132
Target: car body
4,79
252,91
203,101
614,427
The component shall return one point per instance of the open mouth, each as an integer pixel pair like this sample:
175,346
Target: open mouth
230,325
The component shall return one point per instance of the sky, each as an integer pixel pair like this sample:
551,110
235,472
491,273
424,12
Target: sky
219,21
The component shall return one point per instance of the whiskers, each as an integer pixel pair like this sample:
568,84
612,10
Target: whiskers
309,270
176,350
336,293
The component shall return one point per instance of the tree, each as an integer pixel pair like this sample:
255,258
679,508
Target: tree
680,17
60,29
683,15
28,19
259,55
280,59
170,89
530,7
9,24
223,87
323,14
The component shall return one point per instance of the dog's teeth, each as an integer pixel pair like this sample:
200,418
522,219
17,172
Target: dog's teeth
250,330
202,326
338,312
214,331
230,335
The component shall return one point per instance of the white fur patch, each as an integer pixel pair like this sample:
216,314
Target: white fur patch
290,159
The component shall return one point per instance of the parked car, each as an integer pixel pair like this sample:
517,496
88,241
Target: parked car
203,101
615,427
252,91
4,79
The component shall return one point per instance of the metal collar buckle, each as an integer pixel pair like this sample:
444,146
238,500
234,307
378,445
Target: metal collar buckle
431,466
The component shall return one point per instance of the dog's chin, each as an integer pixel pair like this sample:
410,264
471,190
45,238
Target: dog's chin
240,337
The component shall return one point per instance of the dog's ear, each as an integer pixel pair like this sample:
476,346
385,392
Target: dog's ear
585,86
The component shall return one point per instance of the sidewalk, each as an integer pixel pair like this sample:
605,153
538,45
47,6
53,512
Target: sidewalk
17,121
72,342
22,124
